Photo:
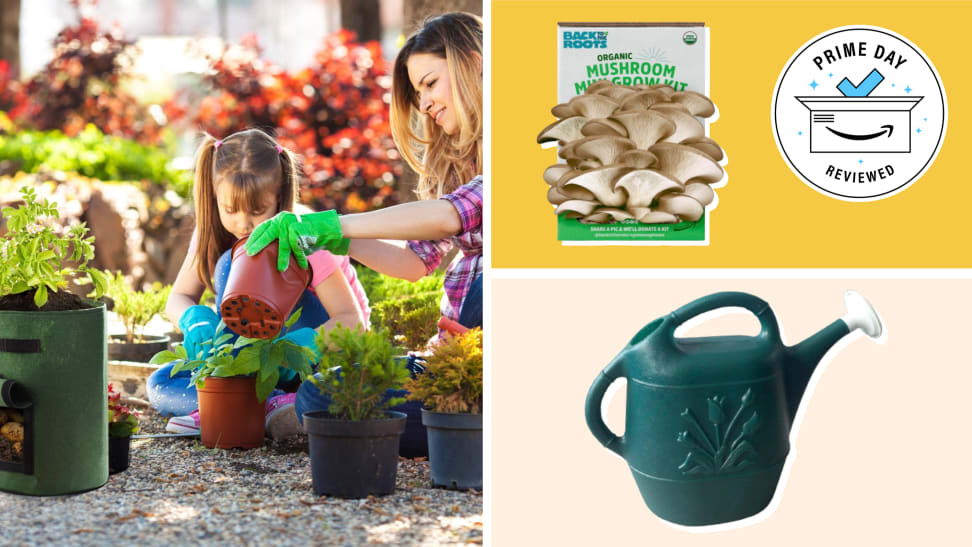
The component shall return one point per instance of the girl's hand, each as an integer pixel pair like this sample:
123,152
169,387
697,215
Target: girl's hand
300,235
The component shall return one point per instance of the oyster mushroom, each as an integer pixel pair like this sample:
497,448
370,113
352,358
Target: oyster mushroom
600,182
667,105
569,150
563,110
697,103
590,163
616,92
644,185
685,164
600,84
639,159
566,129
705,145
642,99
577,208
664,88
649,216
593,106
603,126
607,214
573,192
553,173
686,125
645,127
700,191
604,148
680,205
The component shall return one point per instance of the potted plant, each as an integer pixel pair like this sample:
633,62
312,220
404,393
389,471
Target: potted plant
412,318
49,333
233,379
122,424
136,309
354,443
451,390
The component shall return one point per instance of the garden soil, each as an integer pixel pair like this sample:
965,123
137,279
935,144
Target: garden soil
56,301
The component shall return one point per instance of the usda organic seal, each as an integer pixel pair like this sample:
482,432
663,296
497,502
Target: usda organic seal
859,113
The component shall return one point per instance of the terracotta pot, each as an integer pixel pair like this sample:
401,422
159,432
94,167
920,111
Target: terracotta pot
229,413
258,298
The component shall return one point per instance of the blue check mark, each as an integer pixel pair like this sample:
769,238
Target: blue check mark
864,88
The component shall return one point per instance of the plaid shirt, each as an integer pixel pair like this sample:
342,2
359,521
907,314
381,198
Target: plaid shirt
468,201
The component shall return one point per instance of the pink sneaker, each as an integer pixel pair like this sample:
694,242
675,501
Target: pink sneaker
281,417
184,424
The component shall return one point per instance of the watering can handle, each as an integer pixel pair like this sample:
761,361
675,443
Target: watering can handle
767,319
592,408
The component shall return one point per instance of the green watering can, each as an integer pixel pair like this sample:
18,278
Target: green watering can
708,419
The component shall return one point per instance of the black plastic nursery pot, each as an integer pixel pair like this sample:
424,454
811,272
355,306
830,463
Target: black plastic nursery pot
353,459
53,366
118,453
455,449
119,349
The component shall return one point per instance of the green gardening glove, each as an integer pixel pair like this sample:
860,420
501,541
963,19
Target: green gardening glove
299,234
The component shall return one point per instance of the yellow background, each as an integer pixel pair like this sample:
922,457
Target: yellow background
767,216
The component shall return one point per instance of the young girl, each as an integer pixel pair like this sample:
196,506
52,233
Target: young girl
240,181
437,82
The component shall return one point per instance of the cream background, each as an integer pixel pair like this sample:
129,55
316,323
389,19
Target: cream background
882,455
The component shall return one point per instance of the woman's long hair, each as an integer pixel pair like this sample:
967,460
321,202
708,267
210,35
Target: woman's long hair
443,162
250,162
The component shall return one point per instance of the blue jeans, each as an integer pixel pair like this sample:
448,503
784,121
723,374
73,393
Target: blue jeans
414,442
471,312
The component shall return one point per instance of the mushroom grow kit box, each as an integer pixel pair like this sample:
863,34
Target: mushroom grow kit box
635,162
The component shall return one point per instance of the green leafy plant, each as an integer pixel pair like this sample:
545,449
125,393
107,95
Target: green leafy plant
357,369
453,377
414,318
380,287
246,357
136,308
93,154
122,421
33,251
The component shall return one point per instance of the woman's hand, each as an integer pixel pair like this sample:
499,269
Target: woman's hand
299,234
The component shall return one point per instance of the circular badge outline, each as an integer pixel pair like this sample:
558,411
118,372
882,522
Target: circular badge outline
941,90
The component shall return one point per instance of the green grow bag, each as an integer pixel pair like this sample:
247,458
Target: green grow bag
53,373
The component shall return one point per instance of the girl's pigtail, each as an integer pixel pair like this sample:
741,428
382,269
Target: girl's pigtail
203,194
290,183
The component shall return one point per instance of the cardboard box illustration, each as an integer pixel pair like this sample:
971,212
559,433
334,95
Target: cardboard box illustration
860,124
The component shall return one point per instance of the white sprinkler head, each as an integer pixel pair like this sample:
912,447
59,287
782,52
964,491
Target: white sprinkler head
861,315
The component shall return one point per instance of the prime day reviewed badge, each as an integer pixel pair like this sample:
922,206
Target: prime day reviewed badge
859,113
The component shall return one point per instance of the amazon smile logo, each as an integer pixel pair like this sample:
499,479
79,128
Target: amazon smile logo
859,113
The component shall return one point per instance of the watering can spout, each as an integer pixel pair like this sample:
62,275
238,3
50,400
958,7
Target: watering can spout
802,358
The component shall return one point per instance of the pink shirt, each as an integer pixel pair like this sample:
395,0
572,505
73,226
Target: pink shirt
324,264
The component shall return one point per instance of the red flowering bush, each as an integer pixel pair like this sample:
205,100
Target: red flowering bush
122,421
81,85
333,113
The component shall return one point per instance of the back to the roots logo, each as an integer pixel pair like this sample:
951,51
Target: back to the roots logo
859,113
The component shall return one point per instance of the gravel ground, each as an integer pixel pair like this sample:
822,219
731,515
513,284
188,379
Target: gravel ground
179,492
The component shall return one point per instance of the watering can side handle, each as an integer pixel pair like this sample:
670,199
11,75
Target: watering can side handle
592,408
767,319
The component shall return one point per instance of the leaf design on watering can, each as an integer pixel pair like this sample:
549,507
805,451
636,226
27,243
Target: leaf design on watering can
695,465
713,456
716,414
737,457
